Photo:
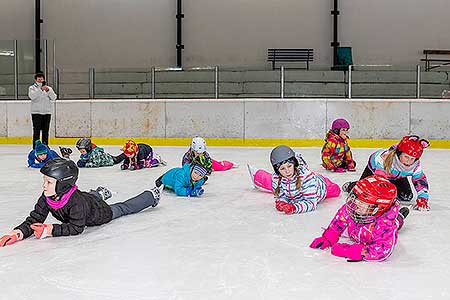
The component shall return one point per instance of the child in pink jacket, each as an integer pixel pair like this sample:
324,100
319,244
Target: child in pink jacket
372,217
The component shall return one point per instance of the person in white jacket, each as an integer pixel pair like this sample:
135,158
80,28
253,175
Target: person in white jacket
41,96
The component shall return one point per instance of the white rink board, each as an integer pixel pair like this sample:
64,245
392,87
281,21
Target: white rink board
245,118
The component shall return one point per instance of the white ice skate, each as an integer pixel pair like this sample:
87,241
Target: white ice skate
160,160
156,191
252,171
235,165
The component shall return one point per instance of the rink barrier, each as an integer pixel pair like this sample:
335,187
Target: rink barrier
233,122
222,142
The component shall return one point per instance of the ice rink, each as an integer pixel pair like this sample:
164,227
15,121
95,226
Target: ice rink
230,243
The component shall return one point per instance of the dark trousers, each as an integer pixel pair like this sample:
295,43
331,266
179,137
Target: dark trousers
133,205
404,192
40,123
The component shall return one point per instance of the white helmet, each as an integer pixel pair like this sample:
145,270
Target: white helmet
198,144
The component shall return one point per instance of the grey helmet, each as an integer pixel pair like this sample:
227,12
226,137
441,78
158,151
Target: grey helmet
84,143
64,171
281,154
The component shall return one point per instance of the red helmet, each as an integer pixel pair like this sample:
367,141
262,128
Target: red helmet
412,145
130,148
370,197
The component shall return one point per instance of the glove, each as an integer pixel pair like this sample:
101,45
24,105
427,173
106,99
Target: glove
288,208
339,170
134,167
350,251
421,204
328,239
124,166
11,237
41,231
81,163
195,192
279,205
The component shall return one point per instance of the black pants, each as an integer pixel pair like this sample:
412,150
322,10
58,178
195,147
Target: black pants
404,192
40,123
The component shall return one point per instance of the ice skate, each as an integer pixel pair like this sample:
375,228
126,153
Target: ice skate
235,166
252,171
404,211
104,193
160,160
65,152
346,186
156,191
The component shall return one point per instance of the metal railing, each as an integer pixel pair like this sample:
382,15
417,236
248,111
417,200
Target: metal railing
357,81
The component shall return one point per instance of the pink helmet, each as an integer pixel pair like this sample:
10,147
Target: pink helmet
340,123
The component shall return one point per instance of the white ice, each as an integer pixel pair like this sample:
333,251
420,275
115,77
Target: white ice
228,244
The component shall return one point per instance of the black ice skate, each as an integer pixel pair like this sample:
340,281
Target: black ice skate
104,193
346,187
404,212
65,152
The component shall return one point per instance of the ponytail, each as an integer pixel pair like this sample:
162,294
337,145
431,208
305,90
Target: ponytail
388,160
277,190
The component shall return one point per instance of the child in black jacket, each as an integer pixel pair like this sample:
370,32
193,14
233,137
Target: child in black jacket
74,208
138,156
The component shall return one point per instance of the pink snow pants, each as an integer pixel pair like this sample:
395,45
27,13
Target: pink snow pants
221,165
263,180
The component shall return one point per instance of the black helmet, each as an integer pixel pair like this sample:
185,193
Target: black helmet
84,143
280,155
64,171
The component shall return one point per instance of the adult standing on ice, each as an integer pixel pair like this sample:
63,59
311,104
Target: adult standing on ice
41,96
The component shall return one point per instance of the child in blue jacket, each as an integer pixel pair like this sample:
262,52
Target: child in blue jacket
185,181
40,155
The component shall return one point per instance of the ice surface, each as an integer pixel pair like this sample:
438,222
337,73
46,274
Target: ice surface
229,244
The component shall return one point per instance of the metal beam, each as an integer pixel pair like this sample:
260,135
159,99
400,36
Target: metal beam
37,35
180,45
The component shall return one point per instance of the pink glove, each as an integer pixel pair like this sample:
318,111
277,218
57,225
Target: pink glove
11,237
339,170
421,204
41,231
328,239
350,251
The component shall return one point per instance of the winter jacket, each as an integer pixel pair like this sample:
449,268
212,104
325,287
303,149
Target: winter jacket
95,158
419,179
40,100
83,209
312,189
203,159
145,153
179,180
378,237
35,163
336,152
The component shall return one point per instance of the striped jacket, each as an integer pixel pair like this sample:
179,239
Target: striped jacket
335,152
312,190
378,237
419,179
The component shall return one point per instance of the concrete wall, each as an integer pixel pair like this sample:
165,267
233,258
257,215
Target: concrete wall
255,118
140,33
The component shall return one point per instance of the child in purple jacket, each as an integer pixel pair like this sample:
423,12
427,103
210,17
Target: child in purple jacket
372,217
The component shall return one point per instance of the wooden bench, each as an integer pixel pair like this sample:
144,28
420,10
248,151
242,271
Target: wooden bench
290,55
431,63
